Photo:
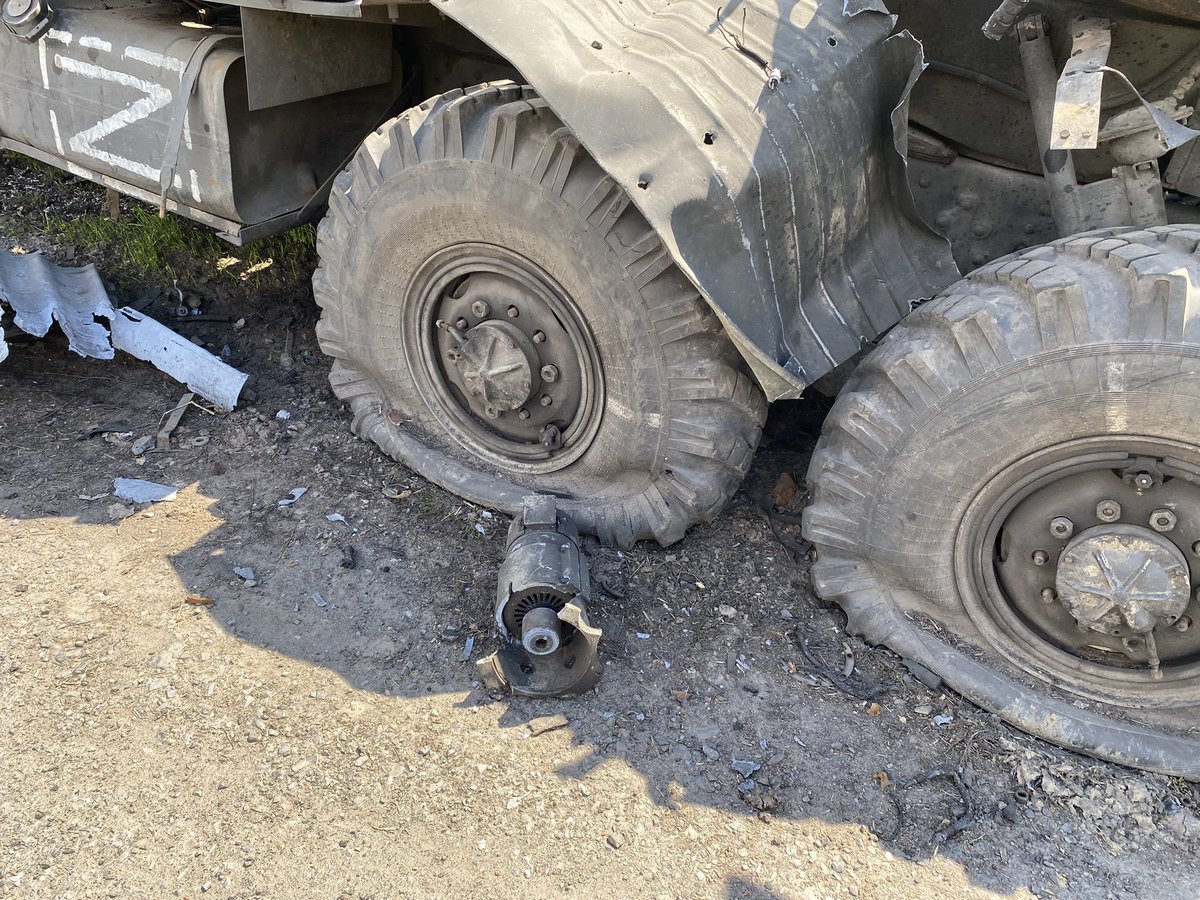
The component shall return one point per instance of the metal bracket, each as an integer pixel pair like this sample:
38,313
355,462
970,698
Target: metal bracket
187,85
1077,97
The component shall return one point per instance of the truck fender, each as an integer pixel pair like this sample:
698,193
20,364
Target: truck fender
765,144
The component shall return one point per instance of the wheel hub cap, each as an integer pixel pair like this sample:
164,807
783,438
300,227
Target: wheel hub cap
1084,563
1118,579
498,366
504,358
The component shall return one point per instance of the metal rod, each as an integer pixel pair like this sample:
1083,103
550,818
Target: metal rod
1041,83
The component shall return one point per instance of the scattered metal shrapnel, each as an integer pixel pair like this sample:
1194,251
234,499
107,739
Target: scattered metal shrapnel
548,647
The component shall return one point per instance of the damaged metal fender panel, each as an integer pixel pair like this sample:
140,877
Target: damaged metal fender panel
785,203
41,293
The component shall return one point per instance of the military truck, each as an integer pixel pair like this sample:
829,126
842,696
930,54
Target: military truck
575,247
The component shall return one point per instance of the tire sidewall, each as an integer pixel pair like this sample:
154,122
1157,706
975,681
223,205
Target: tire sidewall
919,515
421,211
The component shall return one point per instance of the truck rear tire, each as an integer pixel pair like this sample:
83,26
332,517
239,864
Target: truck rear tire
503,320
1008,492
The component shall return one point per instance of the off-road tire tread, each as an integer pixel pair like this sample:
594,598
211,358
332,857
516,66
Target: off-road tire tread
716,408
947,343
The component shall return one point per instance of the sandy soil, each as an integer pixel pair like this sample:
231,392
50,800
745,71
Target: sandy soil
264,745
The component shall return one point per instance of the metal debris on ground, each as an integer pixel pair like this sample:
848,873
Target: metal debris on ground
108,428
197,600
135,490
319,600
162,440
549,648
963,817
41,293
744,767
349,558
203,373
295,494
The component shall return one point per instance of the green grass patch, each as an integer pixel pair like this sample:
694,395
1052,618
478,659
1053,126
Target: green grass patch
158,250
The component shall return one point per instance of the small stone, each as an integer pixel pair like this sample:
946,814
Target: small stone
615,840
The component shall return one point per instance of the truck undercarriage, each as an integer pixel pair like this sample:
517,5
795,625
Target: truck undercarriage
614,231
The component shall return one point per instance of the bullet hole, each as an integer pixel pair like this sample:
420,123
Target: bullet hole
831,41
596,45
709,137
643,182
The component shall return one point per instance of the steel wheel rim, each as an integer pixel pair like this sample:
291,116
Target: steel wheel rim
1012,624
547,344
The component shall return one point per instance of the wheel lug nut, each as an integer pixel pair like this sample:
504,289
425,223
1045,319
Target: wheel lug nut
1108,510
1062,527
523,415
455,355
492,412
513,312
1049,595
1040,557
1184,623
480,309
550,374
1162,520
1196,548
1143,481
546,401
539,337
461,324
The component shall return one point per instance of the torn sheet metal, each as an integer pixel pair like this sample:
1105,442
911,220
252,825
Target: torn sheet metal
145,338
41,293
854,7
788,208
135,490
1077,97
1171,134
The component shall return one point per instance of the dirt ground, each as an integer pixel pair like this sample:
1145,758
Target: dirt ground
273,744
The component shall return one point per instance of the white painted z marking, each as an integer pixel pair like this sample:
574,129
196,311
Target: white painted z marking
155,97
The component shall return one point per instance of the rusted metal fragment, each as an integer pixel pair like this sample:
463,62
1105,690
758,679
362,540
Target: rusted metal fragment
42,293
784,201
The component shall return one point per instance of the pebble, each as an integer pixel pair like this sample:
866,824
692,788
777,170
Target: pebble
615,840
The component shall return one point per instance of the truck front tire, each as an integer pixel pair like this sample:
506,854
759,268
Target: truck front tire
503,320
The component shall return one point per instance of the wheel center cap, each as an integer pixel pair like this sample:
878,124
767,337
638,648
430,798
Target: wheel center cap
499,365
1123,578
